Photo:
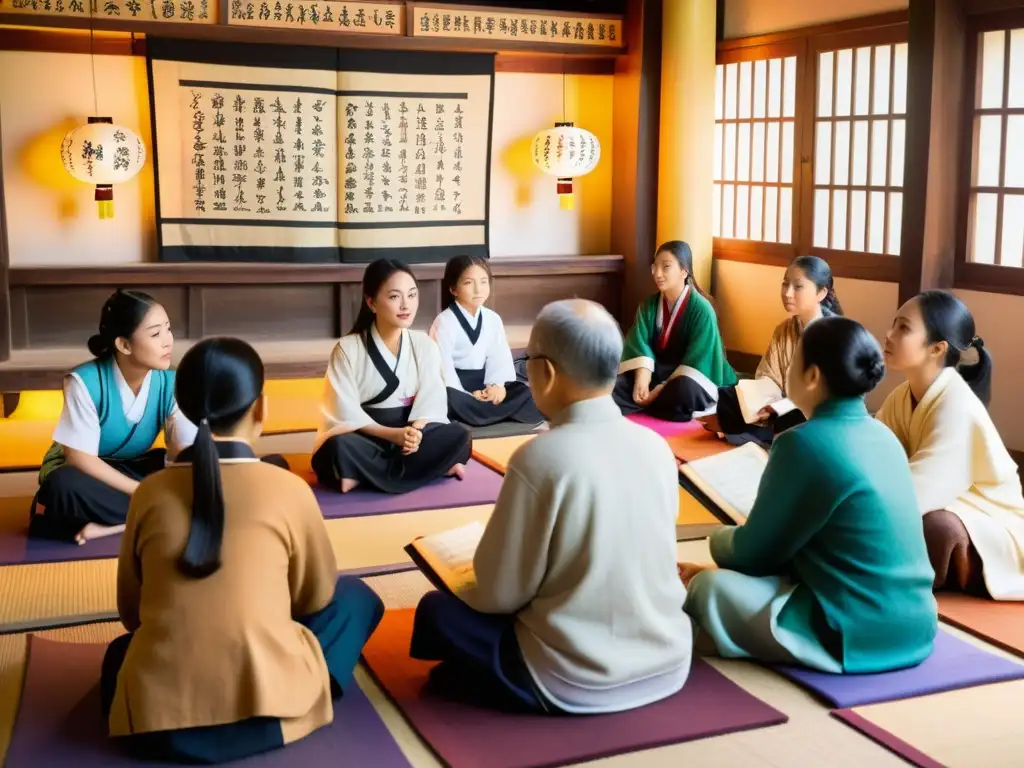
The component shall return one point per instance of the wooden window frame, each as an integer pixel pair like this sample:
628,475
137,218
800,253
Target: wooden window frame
990,278
806,44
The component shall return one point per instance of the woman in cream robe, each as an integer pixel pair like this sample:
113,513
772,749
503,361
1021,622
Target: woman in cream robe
967,486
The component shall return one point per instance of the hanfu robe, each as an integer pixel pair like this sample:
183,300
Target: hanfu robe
959,464
103,417
365,385
682,347
773,366
830,569
475,354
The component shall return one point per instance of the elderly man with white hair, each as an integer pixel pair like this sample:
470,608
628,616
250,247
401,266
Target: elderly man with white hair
578,605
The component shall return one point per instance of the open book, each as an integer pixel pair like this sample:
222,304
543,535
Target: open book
446,558
755,394
729,480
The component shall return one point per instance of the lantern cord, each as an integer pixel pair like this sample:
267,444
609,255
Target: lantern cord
563,88
92,60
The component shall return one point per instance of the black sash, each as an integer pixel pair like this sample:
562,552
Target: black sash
472,333
389,375
226,449
471,379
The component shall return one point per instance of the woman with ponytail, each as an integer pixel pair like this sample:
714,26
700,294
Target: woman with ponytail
385,411
673,361
830,569
240,632
807,295
115,406
968,488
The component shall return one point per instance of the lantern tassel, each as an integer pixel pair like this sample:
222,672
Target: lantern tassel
565,196
105,200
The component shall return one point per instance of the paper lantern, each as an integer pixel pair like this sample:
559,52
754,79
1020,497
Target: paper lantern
566,152
103,154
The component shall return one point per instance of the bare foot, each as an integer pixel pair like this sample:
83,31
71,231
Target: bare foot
97,531
542,427
348,484
458,472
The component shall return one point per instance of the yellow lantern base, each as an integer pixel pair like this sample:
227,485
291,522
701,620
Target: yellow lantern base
106,208
566,202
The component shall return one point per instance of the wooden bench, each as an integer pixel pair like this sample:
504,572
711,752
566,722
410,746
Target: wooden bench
292,313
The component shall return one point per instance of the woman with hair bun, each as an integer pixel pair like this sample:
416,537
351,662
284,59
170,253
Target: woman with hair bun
808,294
830,570
967,485
241,633
115,406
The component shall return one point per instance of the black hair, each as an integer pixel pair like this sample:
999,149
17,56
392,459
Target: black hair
849,358
121,316
453,272
946,318
217,383
377,273
682,253
818,272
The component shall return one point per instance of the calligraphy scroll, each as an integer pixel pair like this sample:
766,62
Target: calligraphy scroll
175,11
507,25
320,15
270,153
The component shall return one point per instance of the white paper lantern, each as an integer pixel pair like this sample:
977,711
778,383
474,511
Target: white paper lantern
103,154
566,152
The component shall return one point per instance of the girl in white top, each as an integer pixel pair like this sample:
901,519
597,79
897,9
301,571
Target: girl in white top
384,414
967,485
115,406
478,368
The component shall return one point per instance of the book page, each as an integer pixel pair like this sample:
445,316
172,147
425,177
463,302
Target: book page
755,394
783,406
730,479
450,555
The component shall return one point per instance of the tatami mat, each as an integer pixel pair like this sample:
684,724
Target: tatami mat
55,594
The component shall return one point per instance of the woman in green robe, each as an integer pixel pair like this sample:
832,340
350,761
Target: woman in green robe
830,569
673,361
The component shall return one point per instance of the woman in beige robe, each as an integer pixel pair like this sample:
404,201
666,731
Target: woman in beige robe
807,294
967,485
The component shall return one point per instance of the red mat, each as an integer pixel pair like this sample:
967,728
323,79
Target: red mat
1001,624
464,736
697,443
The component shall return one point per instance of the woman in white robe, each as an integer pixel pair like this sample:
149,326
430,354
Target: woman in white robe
385,411
478,368
967,485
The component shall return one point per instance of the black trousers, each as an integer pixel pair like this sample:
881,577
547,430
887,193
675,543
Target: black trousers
71,499
382,465
517,406
730,419
678,400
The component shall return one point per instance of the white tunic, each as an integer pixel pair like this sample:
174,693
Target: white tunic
491,351
352,379
78,427
587,562
959,463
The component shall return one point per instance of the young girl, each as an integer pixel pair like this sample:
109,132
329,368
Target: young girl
968,489
830,569
114,408
673,362
478,367
807,294
385,412
241,632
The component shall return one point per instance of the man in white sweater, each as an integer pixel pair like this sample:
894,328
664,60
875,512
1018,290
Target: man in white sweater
578,605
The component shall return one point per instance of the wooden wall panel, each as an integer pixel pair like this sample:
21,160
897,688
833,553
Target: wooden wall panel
269,312
519,299
67,316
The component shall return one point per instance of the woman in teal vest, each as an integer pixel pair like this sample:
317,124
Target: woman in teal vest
830,570
673,361
115,406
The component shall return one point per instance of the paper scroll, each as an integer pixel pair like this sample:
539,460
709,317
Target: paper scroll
504,25
321,158
173,11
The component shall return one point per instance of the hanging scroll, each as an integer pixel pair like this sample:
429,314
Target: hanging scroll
170,11
268,153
